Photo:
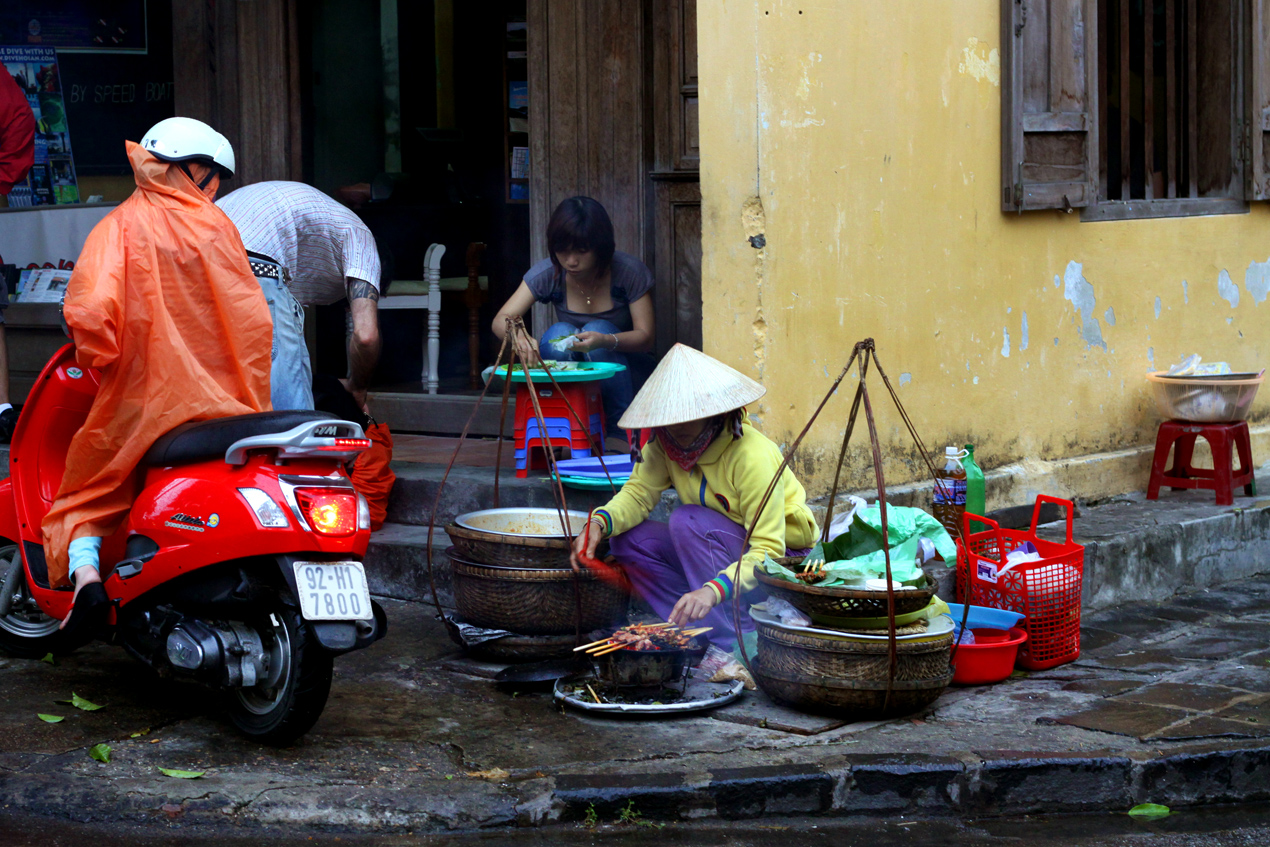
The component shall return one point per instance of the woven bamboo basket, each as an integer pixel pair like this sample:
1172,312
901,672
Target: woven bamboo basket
849,677
496,548
531,601
841,602
854,699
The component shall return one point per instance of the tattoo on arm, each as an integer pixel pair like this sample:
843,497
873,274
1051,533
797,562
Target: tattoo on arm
360,290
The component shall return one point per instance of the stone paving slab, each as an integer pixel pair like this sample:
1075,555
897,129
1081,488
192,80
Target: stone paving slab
414,737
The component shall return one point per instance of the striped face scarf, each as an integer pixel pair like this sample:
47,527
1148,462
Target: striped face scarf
687,456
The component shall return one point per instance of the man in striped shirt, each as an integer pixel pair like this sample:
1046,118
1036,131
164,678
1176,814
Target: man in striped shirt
308,250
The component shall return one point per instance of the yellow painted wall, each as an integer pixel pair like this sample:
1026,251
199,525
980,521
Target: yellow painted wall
862,139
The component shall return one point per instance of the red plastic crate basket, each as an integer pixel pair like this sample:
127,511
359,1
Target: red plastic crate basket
1046,591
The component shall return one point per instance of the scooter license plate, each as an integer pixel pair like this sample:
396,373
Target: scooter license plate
333,591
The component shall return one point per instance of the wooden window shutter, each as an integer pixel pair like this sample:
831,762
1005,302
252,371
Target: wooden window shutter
1049,149
1259,121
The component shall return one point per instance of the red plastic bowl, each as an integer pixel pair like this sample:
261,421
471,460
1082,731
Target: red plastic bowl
978,664
990,636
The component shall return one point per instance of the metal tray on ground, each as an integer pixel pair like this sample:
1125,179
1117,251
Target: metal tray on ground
700,695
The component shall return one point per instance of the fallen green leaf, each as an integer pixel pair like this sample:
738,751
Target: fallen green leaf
100,752
48,658
172,772
140,733
450,776
80,703
49,718
1150,810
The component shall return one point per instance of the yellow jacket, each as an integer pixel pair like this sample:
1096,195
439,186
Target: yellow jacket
730,478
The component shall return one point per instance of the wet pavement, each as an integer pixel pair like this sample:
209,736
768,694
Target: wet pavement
1215,826
1168,703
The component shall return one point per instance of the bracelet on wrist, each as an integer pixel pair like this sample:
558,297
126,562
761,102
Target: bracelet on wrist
615,341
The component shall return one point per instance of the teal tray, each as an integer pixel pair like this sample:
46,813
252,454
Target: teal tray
590,483
585,372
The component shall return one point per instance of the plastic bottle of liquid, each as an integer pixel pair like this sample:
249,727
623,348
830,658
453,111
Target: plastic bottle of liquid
950,491
976,497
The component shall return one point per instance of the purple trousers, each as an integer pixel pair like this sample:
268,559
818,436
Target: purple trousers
666,561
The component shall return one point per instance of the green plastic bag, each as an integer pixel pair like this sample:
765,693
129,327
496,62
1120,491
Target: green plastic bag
858,554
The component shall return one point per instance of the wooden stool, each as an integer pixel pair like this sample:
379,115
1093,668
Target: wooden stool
1221,437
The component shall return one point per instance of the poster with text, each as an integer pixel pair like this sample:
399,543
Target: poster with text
81,26
52,178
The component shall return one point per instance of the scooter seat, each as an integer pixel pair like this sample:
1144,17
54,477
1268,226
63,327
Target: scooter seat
203,441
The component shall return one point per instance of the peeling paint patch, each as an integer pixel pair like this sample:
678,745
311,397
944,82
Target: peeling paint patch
1057,282
1080,292
905,379
754,225
1229,321
1005,342
1186,292
1023,339
1151,357
980,62
1257,280
1110,316
976,380
1227,289
1055,342
1158,306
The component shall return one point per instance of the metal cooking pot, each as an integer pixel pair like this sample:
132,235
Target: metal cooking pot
537,523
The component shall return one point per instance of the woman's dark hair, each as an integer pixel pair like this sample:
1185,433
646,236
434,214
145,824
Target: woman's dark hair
581,223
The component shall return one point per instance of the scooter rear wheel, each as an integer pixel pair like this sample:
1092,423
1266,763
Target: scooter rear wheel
288,701
25,631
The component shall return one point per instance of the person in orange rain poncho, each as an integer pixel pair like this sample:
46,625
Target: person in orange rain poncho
163,302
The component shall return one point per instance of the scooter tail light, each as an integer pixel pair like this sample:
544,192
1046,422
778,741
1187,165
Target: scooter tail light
363,512
268,513
329,512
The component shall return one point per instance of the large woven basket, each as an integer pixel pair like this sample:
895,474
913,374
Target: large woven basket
533,601
809,654
526,551
854,700
849,677
841,602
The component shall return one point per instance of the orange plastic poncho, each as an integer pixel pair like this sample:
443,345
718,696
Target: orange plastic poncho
164,304
372,476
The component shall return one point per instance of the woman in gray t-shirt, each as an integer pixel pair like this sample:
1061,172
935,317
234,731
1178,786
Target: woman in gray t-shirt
602,298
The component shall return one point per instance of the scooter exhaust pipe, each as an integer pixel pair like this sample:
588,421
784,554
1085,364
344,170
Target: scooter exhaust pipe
230,655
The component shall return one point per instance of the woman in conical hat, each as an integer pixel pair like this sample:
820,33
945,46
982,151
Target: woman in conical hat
705,447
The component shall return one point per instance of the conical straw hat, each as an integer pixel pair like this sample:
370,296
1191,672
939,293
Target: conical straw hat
688,385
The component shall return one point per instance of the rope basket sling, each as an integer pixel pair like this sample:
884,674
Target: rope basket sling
847,677
526,587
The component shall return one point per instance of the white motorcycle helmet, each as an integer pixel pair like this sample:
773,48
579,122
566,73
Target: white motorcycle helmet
188,140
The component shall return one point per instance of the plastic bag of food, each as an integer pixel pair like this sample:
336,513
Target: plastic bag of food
718,666
786,612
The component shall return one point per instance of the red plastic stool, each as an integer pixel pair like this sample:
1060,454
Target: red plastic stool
1221,437
584,397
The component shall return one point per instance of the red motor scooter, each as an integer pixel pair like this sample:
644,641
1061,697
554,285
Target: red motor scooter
239,565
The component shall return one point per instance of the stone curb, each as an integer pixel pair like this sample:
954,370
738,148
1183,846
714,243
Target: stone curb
994,783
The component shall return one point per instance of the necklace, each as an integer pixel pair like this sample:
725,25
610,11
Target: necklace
585,294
